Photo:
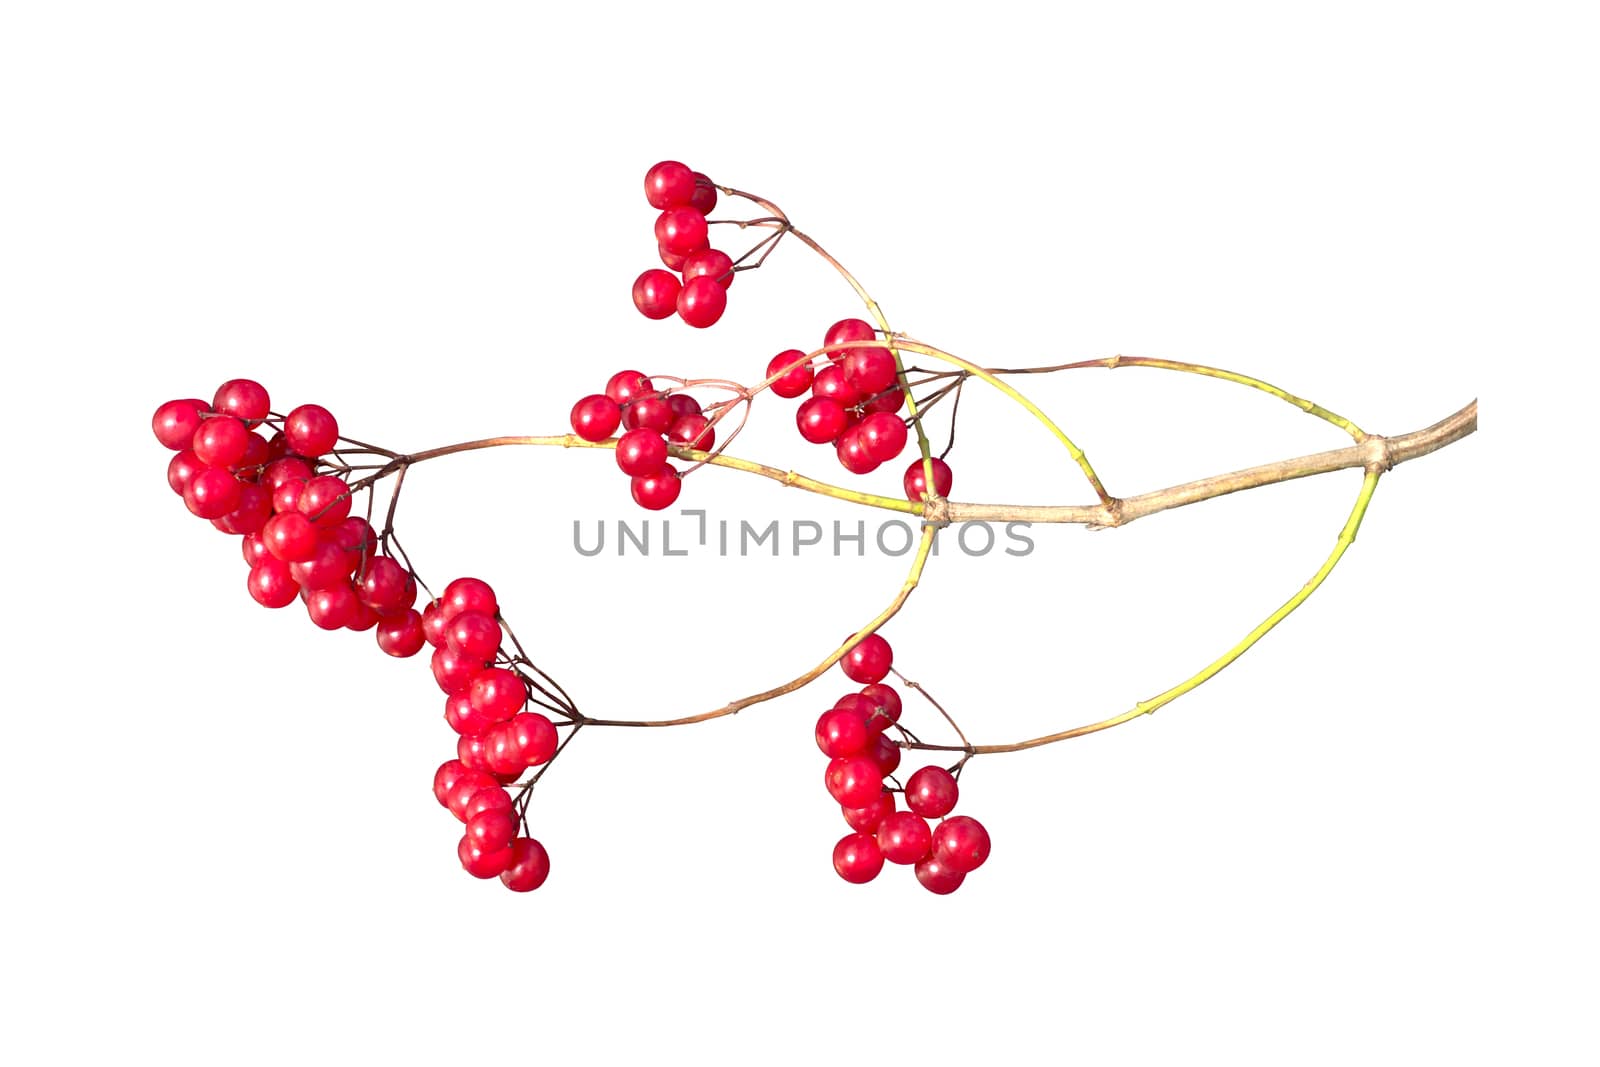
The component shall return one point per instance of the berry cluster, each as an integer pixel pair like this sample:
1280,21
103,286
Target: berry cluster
861,758
695,283
651,419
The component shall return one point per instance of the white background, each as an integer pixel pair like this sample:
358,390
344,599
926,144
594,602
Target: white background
1366,842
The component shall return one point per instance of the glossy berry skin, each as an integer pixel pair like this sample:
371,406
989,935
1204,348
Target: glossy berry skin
534,737
325,500
889,402
870,370
655,293
885,704
626,386
820,419
310,430
702,302
474,635
904,837
492,829
681,404
857,858
937,876
290,537
176,421
596,417
451,671
327,567
255,508
830,382
681,231
221,441
649,413
851,449
362,618
465,788
211,493
285,469
254,549
433,623
468,594
883,437
257,454
481,864
932,792
867,820
641,453
444,779
962,843
181,470
845,331
243,399
704,199
671,260
387,586
853,781
668,184
718,266
496,693
842,732
271,585
489,798
400,635
869,661
916,484
885,753
693,431
331,608
659,490
796,374
529,867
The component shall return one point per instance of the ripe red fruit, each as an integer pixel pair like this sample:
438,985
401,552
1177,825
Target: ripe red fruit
327,567
658,490
433,623
702,302
489,798
681,404
331,608
255,508
496,693
843,332
534,737
290,537
693,431
869,660
937,876
387,586
401,635
883,437
885,704
465,788
704,199
681,230
961,843
857,858
718,266
641,452
255,549
468,594
271,585
648,413
870,370
628,385
867,820
830,382
853,781
362,618
257,454
181,470
842,732
501,752
481,864
851,449
891,401
529,866
596,417
211,493
473,635
451,671
655,293
671,260
310,430
176,421
492,829
220,441
794,373
668,184
932,792
325,500
285,469
820,419
904,837
916,484
445,778
243,399
885,753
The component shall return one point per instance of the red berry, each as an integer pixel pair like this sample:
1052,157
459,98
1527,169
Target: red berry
932,792
362,618
467,786
401,635
851,449
433,623
820,419
916,484
890,402
255,508
641,452
961,843
452,671
904,837
271,585
468,594
473,635
704,199
843,332
331,608
853,781
387,586
655,293
718,266
596,417
937,876
870,370
290,537
445,778
181,470
867,820
211,493
648,413
658,490
682,404
842,732
534,737
243,399
328,566
481,864
496,693
702,302
671,260
857,858
628,385
325,500
310,430
885,704
885,753
176,421
869,660
283,471
492,829
220,441
831,382
794,373
883,437
681,230
257,454
693,431
255,549
529,866
489,798
501,751
668,184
